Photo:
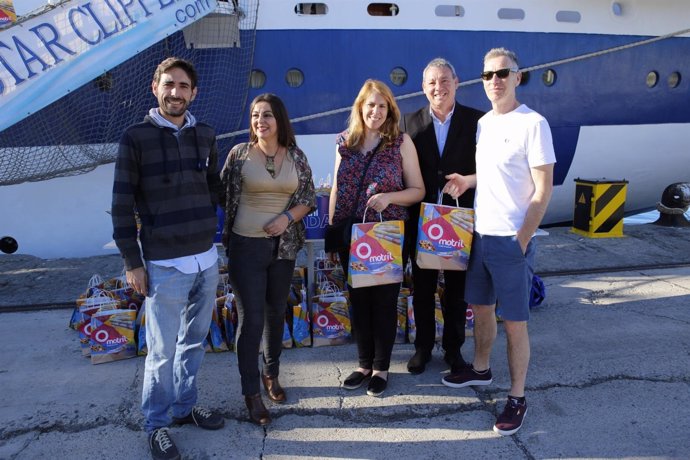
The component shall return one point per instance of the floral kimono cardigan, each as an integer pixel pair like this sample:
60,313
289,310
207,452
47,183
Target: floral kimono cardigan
292,240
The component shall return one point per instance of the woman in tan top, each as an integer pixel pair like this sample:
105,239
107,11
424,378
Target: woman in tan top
269,188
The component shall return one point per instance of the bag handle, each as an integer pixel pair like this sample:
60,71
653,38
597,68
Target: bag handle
365,215
440,199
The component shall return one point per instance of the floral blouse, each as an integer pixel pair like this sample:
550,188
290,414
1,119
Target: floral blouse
385,174
292,240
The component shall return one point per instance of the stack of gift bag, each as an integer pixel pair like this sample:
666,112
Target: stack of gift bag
110,318
106,319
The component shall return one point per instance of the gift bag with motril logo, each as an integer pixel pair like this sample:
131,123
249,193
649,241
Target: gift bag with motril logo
112,336
330,319
376,253
86,308
444,237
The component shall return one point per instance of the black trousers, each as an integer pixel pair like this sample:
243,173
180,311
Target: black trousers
453,306
374,321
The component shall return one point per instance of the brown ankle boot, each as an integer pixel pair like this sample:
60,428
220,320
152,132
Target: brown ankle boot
273,389
257,411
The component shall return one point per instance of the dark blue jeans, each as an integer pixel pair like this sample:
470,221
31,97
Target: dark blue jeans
261,284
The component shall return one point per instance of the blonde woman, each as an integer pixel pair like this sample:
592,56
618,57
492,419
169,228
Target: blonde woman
376,166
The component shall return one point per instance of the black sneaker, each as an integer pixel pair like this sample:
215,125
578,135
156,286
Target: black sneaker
510,421
162,446
467,376
202,418
377,386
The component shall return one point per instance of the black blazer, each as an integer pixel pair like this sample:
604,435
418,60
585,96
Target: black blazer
458,154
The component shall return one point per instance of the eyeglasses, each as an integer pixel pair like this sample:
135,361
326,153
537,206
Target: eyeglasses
501,73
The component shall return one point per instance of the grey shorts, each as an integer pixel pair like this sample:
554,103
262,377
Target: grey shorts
499,272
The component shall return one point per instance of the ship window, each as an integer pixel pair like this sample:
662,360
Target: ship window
511,13
311,8
549,77
652,79
617,8
257,79
382,9
525,78
450,11
674,80
294,78
398,76
568,16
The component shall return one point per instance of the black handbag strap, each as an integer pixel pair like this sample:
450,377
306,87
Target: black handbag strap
361,179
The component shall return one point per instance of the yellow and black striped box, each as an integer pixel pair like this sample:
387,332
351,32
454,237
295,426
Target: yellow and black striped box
599,207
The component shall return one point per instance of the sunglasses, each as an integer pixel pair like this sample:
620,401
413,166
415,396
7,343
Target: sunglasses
501,73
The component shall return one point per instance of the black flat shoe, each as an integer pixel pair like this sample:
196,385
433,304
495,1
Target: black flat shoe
417,364
355,380
377,386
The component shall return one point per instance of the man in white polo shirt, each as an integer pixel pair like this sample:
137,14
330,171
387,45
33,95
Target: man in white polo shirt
514,181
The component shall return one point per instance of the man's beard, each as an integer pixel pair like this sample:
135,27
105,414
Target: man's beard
177,112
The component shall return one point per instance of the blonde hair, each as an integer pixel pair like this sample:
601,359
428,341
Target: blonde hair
355,127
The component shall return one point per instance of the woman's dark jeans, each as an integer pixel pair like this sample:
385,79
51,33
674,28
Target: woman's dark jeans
261,284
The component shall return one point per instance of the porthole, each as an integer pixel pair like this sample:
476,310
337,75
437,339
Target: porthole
294,78
549,77
525,78
652,79
383,9
398,76
568,16
511,13
257,79
450,11
674,80
311,8
617,8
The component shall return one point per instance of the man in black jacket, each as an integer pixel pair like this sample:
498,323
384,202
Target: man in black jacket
444,133
167,170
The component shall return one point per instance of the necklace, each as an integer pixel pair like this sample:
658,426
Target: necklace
370,142
270,161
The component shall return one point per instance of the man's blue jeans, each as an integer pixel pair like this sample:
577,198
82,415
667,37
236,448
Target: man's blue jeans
178,315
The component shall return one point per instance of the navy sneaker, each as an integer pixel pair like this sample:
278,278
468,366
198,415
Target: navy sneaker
202,418
510,420
162,446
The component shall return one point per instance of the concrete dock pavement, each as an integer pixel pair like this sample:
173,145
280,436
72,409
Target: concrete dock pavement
609,378
28,282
